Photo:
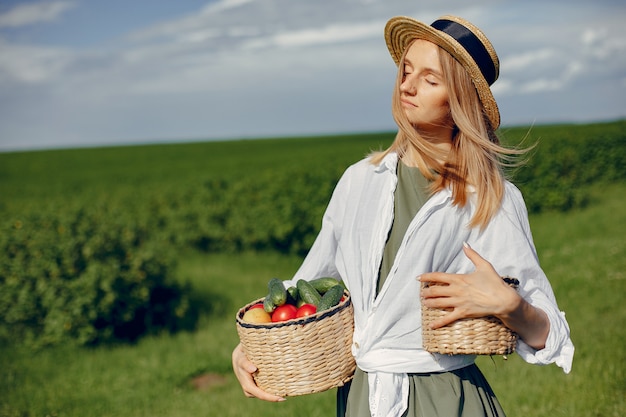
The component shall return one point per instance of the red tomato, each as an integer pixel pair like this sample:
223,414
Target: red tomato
284,312
306,310
257,305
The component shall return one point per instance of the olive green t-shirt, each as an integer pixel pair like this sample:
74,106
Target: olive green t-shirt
410,195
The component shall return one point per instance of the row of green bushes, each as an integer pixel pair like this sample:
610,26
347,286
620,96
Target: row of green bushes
569,159
281,209
100,269
89,275
97,267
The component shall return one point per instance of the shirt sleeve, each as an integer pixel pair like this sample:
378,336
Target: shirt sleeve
320,260
512,232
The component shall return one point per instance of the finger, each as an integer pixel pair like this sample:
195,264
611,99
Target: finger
435,291
438,277
474,256
248,366
439,302
445,320
255,391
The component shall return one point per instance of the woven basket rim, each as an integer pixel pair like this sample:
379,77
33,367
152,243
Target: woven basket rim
320,315
513,282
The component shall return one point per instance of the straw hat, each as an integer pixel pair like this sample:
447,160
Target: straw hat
464,41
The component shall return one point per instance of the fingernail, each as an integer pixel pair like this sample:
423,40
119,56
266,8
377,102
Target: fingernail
418,278
281,399
466,245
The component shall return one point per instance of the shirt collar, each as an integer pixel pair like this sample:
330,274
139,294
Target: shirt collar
389,163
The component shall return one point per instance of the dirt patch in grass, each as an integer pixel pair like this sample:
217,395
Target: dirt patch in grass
206,381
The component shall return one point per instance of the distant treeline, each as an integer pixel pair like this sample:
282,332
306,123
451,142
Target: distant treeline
88,237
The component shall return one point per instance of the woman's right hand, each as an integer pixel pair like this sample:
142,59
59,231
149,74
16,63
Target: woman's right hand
244,369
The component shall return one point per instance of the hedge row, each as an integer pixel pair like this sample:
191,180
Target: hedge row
565,163
90,275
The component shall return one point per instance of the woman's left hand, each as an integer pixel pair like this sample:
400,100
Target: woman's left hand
477,294
484,293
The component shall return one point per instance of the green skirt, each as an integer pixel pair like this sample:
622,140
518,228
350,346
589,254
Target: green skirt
460,393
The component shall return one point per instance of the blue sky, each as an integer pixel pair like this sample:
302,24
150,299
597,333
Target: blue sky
88,72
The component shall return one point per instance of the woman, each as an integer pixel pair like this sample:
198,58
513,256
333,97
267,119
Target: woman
416,212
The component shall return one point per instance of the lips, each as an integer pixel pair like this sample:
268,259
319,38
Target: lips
407,103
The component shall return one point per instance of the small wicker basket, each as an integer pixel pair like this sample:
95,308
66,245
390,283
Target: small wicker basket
301,356
477,336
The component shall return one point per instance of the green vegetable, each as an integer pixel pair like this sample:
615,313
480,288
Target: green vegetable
292,296
323,284
331,298
307,293
277,292
268,305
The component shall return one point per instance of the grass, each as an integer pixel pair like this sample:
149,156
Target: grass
153,377
584,253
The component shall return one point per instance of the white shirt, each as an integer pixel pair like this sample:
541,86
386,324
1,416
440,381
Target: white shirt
387,340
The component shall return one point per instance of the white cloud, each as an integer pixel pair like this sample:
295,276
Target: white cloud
603,43
526,59
590,36
32,64
542,85
222,5
201,35
331,34
558,78
28,14
336,33
502,87
562,58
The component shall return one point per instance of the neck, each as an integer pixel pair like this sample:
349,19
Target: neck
438,135
440,138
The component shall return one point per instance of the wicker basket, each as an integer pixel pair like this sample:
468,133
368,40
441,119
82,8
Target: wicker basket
477,336
301,356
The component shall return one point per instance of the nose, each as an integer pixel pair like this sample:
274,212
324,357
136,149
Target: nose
408,87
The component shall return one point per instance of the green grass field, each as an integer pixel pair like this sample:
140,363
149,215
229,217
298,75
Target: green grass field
173,375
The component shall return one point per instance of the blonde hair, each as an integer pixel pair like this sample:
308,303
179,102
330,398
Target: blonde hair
476,156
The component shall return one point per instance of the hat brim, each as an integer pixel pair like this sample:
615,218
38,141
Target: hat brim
401,31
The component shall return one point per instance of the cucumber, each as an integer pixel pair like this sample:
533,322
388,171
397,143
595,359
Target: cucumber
292,296
307,293
323,284
331,298
268,305
277,292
